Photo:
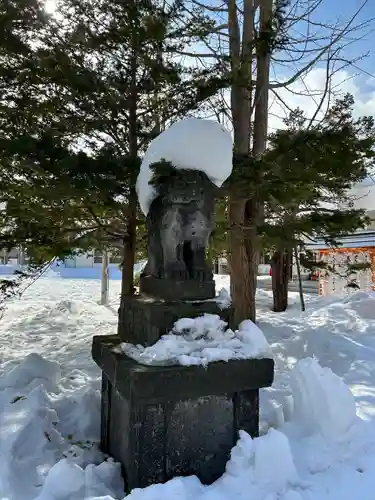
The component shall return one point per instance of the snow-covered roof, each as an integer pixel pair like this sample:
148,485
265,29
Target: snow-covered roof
191,144
356,240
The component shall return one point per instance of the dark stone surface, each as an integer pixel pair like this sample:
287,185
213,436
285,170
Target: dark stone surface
179,224
160,422
143,320
173,290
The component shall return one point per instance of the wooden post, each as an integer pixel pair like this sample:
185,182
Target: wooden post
300,286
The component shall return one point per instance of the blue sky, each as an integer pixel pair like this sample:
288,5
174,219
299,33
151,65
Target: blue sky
332,9
358,80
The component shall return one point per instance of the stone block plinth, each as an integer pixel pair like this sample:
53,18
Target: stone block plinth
177,290
164,421
143,320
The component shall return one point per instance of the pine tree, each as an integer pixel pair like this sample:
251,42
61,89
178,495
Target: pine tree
309,174
82,93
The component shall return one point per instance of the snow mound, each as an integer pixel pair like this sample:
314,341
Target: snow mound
69,481
29,442
190,144
223,299
323,404
48,441
178,488
363,303
259,469
75,419
263,467
352,314
200,341
33,369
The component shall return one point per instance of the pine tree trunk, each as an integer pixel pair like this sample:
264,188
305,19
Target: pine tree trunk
252,247
127,282
127,279
255,207
280,264
240,285
244,252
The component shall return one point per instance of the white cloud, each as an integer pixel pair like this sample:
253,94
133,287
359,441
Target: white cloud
306,93
312,87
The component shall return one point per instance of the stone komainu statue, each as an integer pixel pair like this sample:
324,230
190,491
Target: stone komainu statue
179,224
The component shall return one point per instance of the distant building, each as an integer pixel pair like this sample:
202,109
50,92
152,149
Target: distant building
89,259
354,249
13,257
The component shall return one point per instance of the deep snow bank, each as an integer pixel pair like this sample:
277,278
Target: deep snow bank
40,460
42,425
50,410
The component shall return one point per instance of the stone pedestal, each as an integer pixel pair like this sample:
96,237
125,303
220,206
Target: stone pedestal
165,421
177,290
144,319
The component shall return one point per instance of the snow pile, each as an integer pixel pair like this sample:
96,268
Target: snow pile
67,480
200,341
339,332
51,272
322,402
190,144
223,299
33,370
48,436
263,467
31,434
29,442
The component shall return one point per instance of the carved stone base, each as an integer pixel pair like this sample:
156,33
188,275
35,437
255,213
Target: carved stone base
161,422
143,320
174,290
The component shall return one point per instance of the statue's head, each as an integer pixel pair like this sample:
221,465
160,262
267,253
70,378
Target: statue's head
182,186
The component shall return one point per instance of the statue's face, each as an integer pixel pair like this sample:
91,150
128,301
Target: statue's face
197,227
187,190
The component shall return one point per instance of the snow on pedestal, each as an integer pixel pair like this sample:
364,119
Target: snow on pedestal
202,340
190,144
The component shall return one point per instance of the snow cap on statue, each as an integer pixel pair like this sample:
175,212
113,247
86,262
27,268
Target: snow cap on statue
190,144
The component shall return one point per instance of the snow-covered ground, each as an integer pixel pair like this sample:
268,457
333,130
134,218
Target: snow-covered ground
50,403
